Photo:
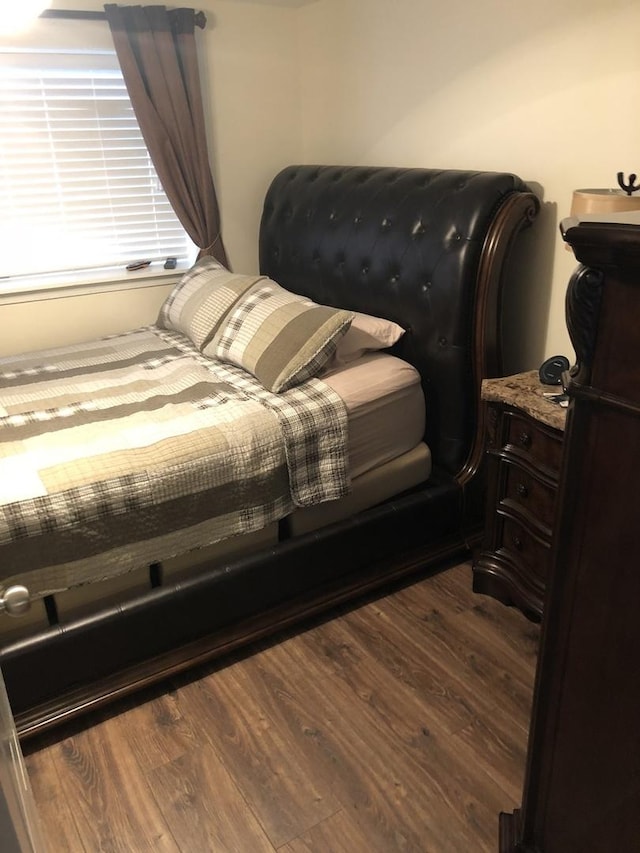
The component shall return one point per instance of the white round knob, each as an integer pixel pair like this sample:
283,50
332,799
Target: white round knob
16,600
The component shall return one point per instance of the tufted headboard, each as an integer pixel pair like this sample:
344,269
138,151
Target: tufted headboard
422,247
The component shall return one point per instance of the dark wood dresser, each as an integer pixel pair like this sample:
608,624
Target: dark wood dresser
582,781
524,448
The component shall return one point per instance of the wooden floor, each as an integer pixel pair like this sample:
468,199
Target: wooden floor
400,725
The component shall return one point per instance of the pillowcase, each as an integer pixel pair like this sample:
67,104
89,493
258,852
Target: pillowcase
366,334
202,298
279,337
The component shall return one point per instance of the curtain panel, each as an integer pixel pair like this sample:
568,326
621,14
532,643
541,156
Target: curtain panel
157,52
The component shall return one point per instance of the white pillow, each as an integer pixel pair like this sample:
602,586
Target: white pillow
365,334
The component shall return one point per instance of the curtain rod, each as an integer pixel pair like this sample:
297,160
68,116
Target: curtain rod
77,14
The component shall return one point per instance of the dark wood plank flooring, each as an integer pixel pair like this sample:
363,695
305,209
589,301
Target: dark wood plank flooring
399,725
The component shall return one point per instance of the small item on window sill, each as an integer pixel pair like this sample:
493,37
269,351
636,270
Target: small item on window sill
170,263
138,265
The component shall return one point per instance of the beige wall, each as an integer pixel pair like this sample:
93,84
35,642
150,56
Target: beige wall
75,316
250,65
547,90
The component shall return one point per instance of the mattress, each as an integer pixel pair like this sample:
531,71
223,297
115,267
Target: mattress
119,452
385,409
385,422
386,417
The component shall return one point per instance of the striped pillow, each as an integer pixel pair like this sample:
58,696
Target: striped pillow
201,299
279,337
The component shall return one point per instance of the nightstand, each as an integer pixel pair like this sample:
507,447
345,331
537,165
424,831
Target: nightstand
523,445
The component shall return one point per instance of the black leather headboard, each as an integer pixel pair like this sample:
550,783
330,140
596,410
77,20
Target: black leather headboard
404,244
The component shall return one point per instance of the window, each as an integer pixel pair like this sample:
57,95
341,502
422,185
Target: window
78,190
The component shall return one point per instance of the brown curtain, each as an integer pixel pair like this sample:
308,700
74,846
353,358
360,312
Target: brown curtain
156,49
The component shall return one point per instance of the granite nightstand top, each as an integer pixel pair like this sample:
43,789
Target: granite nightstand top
525,392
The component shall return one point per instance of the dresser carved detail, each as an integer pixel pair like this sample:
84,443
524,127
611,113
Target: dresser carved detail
582,305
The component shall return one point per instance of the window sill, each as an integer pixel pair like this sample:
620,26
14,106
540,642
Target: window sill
83,283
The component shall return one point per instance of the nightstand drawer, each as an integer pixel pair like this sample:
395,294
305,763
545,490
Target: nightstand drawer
523,549
531,440
526,495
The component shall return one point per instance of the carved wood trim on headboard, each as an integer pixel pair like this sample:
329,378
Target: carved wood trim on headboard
519,211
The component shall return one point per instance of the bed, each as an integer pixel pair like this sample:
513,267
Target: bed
178,491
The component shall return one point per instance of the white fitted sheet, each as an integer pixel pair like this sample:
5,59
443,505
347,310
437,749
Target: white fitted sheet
385,405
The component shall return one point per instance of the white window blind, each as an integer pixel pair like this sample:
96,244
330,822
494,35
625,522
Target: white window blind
78,190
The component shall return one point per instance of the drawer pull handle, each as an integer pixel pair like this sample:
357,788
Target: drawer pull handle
522,490
525,439
517,541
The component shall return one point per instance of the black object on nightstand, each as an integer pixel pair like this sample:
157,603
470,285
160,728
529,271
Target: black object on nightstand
551,370
523,444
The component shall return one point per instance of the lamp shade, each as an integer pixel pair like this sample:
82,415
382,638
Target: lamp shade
606,204
599,202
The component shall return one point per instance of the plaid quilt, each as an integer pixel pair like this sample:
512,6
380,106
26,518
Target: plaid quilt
131,449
